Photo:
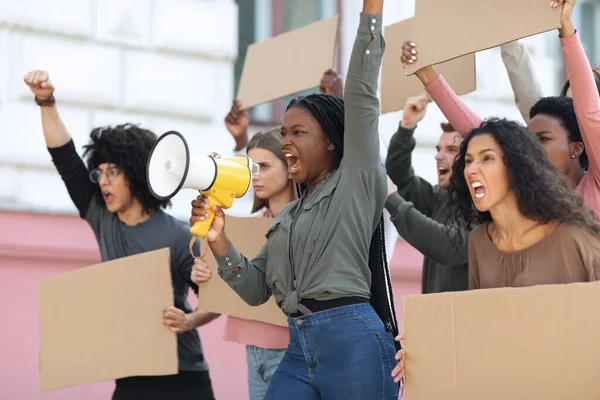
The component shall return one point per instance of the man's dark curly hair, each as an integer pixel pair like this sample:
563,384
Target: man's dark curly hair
542,192
127,146
561,108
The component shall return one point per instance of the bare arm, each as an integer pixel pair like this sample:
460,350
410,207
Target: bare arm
55,133
373,7
198,318
60,145
176,320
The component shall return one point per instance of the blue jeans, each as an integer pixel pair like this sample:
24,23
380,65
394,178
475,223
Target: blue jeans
262,364
343,353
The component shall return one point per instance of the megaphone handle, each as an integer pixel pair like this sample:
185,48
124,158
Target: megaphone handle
201,228
191,247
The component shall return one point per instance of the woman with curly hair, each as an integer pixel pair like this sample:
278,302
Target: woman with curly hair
567,127
112,195
531,228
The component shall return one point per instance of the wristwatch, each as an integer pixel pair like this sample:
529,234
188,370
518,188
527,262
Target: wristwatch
49,102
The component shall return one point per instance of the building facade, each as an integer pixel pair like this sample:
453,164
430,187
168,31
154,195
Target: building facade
168,65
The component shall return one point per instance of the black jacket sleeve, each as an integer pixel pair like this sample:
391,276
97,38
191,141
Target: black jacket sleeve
74,173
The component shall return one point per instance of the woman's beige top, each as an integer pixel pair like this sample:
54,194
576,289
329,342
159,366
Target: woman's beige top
569,254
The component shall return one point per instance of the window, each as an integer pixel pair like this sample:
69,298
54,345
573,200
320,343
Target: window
586,19
262,19
588,23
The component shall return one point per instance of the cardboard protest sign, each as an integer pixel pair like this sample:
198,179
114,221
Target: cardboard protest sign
508,343
104,322
396,87
444,30
248,236
273,68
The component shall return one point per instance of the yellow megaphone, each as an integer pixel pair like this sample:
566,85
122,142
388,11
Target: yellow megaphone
171,167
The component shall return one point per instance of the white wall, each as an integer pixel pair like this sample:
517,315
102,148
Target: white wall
493,96
167,64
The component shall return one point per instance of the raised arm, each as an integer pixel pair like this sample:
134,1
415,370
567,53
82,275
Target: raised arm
583,88
399,158
361,137
432,239
59,143
523,80
237,122
454,109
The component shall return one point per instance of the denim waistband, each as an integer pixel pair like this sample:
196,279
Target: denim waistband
325,316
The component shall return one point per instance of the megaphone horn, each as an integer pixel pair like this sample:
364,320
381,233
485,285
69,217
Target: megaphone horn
172,167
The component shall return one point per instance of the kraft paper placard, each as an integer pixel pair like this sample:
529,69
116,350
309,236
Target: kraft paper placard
444,30
104,322
215,295
396,87
540,342
288,63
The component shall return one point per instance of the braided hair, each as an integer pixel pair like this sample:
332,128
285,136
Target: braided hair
328,110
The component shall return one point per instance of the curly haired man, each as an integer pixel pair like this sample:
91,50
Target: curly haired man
112,195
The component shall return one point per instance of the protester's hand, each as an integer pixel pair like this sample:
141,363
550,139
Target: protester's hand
566,25
176,320
40,84
200,271
409,53
331,83
398,371
199,208
414,110
567,5
236,122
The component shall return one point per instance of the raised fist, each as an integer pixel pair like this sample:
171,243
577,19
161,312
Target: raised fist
39,83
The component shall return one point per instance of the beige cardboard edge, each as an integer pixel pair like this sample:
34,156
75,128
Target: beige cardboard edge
247,234
397,87
422,14
254,73
164,355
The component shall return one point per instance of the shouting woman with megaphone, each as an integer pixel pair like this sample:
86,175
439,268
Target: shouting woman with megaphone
324,260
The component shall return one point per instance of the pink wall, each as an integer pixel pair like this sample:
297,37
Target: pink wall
34,247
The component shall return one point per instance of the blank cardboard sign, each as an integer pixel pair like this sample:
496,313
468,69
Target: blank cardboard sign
444,30
215,295
540,342
396,87
104,322
288,63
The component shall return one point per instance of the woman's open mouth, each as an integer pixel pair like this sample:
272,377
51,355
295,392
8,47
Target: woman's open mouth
478,190
292,162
